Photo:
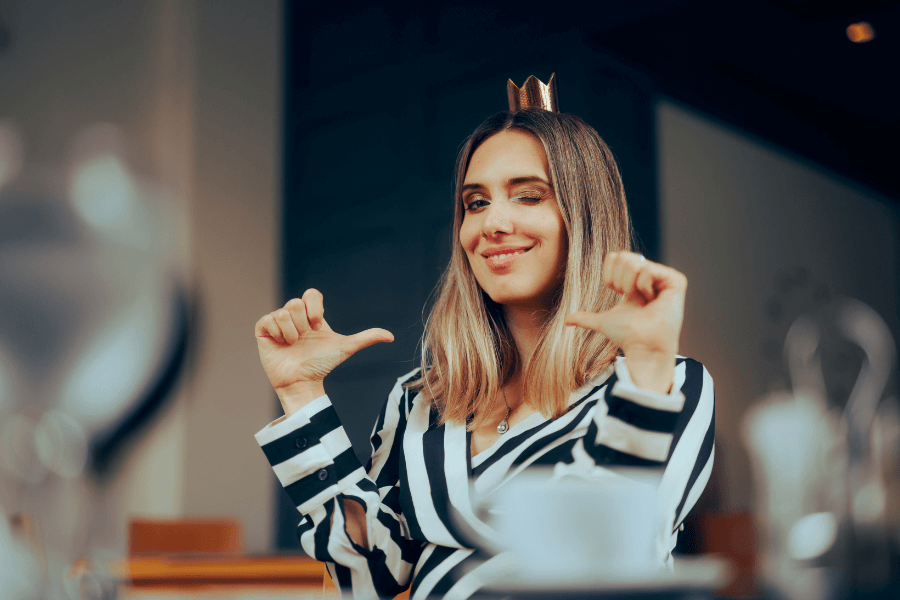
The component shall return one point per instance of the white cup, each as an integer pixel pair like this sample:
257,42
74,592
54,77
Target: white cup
576,527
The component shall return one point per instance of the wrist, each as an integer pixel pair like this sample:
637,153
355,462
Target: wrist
651,369
297,395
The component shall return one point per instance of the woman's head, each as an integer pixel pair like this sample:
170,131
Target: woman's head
512,232
582,193
468,352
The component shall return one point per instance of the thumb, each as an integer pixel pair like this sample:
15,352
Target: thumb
588,320
364,339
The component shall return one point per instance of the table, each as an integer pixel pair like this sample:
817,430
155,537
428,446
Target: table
234,577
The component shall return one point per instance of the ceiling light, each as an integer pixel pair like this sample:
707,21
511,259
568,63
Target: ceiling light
860,33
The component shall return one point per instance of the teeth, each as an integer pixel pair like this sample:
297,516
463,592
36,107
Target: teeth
502,256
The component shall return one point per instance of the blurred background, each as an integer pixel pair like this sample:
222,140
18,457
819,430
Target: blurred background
170,171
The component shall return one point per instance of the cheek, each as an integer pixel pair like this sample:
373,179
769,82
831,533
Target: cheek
557,238
551,229
468,236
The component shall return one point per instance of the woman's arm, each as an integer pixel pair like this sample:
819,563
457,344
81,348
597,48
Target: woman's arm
347,521
674,431
350,517
660,407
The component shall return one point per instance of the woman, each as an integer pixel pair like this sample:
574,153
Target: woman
520,366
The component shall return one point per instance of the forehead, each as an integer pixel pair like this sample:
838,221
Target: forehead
506,155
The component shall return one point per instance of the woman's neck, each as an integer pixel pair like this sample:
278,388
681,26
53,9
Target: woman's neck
525,326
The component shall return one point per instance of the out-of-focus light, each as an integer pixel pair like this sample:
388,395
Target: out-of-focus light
18,454
61,444
10,152
869,503
860,33
112,370
104,194
812,536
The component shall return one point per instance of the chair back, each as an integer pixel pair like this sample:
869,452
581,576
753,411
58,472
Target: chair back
185,536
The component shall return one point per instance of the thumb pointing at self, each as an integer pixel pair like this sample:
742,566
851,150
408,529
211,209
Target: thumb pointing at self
354,343
587,320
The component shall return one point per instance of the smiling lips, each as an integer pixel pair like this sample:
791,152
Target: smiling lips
500,259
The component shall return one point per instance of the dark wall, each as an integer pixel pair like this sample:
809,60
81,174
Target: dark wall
378,102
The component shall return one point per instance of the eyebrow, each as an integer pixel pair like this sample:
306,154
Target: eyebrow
511,182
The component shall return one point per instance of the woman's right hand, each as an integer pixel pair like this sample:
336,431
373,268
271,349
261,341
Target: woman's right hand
298,349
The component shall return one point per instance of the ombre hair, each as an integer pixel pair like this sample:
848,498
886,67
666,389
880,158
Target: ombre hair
468,352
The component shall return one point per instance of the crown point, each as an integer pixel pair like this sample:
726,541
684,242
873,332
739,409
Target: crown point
533,94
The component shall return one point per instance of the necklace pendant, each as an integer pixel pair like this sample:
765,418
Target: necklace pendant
503,427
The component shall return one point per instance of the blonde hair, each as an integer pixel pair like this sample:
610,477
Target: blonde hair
468,352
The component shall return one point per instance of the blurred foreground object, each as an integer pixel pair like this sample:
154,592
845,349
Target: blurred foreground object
93,302
604,544
20,569
94,325
823,472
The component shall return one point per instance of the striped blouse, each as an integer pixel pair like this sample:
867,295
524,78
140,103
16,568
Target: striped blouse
415,490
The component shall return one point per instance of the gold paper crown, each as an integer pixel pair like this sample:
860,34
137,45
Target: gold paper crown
533,93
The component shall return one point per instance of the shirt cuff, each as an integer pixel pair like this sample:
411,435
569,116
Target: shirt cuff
311,454
626,388
637,425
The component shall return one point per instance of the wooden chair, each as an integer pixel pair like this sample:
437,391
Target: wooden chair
732,536
185,536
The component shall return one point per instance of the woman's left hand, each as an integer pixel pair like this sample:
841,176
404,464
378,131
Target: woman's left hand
646,324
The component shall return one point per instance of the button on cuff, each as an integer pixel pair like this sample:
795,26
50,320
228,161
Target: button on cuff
322,474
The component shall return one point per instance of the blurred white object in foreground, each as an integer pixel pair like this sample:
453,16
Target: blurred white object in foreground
820,482
92,257
582,530
572,527
19,571
93,268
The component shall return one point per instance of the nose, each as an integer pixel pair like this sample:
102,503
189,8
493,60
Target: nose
497,221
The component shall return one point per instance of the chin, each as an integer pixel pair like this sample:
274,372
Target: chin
510,298
535,297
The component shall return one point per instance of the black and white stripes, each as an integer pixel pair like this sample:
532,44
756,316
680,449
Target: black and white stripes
415,491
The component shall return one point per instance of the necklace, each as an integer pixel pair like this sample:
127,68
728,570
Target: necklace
503,427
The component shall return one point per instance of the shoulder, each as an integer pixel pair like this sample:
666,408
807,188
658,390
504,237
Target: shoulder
687,361
406,387
401,388
411,383
406,378
688,370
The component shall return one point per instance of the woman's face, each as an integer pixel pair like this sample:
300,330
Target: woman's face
512,232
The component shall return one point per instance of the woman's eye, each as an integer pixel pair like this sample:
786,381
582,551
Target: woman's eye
476,204
529,199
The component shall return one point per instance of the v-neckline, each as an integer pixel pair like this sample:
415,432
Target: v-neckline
575,399
514,430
